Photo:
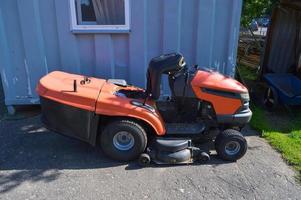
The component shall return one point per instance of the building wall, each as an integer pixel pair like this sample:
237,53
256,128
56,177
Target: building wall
35,39
283,47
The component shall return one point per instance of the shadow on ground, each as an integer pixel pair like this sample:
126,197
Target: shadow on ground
29,152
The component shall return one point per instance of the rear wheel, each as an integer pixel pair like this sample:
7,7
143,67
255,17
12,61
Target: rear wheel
231,145
123,140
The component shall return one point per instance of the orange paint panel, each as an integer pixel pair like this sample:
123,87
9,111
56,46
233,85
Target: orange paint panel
110,104
97,96
213,80
221,105
58,86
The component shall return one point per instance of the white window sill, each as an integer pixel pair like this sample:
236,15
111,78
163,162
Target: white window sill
93,31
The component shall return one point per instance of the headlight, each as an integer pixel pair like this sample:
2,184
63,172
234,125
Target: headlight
245,96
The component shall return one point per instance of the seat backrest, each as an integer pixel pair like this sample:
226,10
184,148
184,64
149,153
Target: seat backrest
165,64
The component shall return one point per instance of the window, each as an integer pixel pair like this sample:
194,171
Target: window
99,15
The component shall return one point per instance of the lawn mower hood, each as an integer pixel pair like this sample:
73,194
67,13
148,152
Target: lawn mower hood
71,89
73,96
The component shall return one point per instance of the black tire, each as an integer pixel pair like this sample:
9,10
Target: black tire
144,160
223,144
270,99
134,129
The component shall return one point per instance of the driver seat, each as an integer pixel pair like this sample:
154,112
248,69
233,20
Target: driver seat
164,64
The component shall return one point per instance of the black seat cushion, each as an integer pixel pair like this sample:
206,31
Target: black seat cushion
171,145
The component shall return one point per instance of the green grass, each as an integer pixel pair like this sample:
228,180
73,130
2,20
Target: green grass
284,134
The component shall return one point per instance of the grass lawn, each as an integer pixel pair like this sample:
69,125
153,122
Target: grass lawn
280,129
282,132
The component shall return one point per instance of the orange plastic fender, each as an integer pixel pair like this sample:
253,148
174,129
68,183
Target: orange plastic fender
110,104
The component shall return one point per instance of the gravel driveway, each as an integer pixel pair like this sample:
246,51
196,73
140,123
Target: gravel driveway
38,164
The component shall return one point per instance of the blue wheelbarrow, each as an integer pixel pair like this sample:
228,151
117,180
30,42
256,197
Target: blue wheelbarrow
282,89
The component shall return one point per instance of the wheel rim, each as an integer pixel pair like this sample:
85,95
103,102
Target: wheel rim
123,141
232,148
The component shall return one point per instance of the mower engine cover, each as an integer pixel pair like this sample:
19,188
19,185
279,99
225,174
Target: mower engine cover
228,97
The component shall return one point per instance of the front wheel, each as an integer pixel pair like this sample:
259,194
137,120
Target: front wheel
231,145
123,140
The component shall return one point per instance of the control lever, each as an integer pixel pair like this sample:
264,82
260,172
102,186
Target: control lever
74,86
85,80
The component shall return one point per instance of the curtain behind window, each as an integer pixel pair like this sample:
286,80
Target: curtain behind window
109,12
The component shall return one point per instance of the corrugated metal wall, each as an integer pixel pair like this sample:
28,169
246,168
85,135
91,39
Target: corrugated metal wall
35,39
283,46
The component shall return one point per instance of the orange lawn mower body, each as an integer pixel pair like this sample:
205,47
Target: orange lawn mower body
128,122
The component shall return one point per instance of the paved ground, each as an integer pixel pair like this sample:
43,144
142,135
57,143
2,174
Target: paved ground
38,164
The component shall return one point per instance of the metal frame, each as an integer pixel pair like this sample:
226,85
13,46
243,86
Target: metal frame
94,28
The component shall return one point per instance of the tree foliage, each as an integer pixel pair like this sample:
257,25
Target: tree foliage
256,8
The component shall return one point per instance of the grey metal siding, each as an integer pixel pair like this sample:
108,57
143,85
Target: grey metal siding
282,46
35,38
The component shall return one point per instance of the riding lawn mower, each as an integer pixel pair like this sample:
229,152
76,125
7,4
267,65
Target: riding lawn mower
204,107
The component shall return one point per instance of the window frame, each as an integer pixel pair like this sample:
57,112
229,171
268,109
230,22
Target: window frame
90,27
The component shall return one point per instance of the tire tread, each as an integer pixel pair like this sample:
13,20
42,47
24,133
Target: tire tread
229,133
126,123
